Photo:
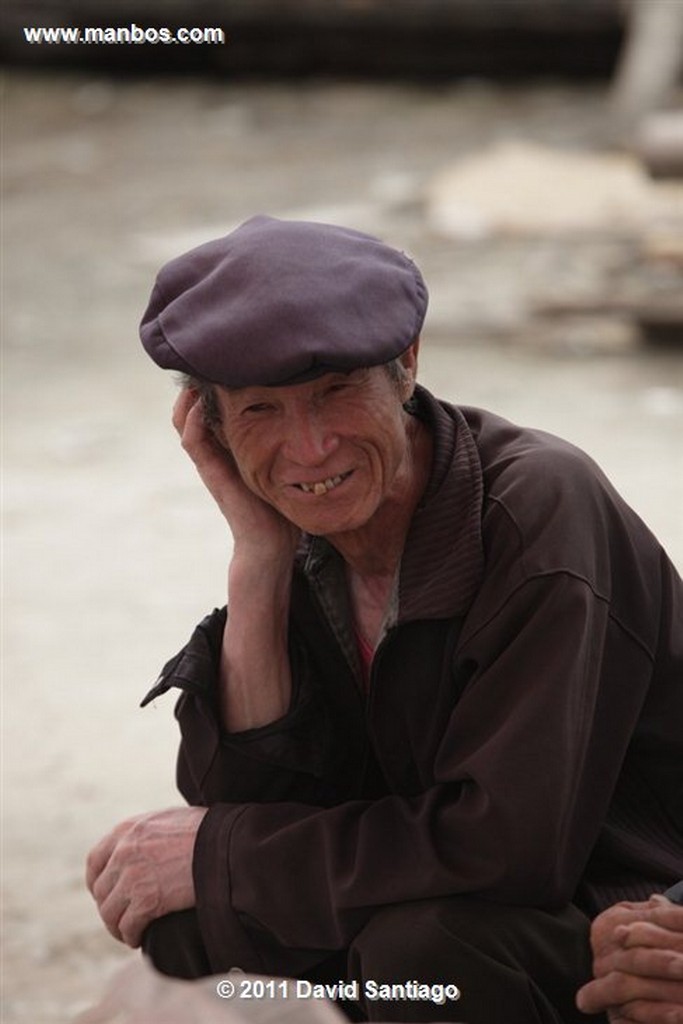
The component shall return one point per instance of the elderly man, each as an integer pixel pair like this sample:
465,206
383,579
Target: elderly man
442,725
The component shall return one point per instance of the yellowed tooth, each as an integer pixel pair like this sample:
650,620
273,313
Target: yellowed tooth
319,488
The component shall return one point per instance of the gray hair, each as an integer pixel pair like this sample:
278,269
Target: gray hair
207,396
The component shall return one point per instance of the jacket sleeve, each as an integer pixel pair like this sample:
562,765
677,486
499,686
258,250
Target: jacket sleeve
288,759
522,781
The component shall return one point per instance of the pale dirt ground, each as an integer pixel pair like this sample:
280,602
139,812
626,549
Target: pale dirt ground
112,551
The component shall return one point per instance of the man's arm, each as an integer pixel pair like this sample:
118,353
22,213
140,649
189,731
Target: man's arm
143,868
638,963
255,678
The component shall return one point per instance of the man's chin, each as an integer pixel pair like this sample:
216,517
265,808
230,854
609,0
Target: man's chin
328,523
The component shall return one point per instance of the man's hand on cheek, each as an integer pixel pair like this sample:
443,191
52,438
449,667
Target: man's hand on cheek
142,870
253,523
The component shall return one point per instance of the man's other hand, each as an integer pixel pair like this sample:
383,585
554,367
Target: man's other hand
142,870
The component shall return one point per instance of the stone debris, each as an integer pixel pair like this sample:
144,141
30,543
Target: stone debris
525,188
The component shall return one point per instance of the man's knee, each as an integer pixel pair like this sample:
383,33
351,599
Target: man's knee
496,955
397,936
498,930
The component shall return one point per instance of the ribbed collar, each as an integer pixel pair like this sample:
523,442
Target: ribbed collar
443,558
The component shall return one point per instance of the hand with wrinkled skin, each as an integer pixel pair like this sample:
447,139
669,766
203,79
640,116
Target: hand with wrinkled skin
254,525
638,964
142,870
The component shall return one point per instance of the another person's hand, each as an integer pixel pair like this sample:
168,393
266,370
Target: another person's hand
637,963
254,524
142,870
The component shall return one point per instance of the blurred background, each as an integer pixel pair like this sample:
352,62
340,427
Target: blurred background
529,155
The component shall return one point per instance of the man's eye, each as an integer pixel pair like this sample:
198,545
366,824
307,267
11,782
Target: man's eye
257,407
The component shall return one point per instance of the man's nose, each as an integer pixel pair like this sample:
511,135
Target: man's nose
309,439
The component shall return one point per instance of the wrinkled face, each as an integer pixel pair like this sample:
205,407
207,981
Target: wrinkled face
327,453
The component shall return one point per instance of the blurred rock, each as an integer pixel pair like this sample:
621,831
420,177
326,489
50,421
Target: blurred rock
527,189
138,994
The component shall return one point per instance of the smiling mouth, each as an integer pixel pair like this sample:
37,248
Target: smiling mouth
321,487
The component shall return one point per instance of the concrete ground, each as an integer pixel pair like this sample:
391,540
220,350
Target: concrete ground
112,550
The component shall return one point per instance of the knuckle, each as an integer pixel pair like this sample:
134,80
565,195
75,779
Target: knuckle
605,923
130,938
132,926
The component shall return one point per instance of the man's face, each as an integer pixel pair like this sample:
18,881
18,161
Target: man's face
327,453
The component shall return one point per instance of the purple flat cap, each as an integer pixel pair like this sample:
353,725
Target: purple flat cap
280,302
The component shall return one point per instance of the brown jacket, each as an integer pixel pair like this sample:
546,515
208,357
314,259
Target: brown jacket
523,735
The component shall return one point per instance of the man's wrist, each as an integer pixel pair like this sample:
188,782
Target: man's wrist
259,563
253,579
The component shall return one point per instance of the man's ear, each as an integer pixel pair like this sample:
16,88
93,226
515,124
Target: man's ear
409,363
